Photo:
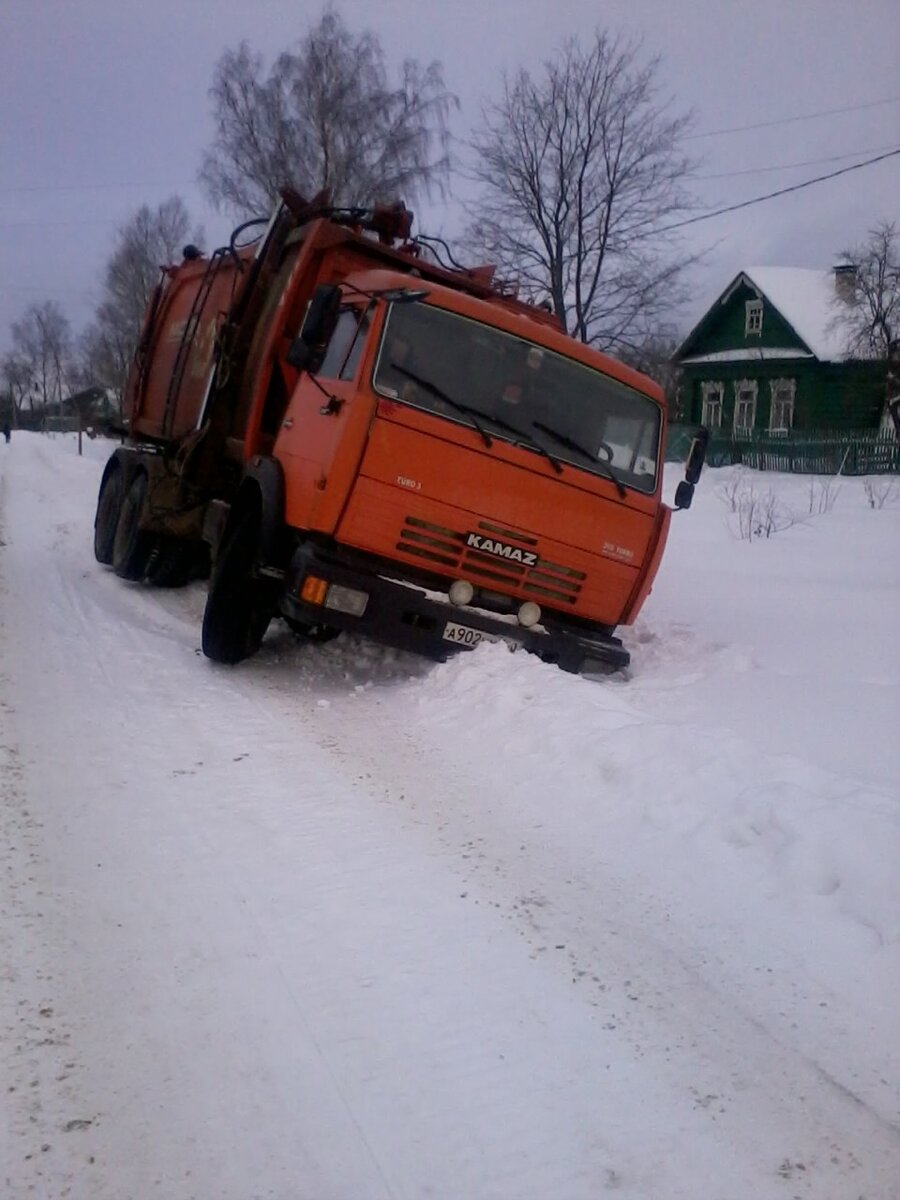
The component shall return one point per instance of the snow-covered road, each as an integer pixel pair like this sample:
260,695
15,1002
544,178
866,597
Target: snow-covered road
343,925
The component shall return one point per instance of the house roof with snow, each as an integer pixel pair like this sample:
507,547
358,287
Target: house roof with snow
807,302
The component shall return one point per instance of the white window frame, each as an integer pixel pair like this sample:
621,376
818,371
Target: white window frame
777,386
745,385
753,318
713,403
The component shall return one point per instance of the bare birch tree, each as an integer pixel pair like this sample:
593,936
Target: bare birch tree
105,354
149,240
42,345
581,171
655,356
326,116
16,375
869,314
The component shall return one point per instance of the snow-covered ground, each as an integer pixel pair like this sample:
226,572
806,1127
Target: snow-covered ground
340,924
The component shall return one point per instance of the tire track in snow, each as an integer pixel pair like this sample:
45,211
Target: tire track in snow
41,1064
126,694
616,944
350,934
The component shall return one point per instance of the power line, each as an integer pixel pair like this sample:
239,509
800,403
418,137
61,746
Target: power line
810,162
781,192
826,112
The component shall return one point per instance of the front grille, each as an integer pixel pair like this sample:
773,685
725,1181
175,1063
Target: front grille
447,548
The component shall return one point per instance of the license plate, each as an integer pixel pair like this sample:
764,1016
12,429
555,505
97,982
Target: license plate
465,635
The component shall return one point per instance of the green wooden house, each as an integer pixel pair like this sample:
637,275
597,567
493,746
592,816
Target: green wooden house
767,358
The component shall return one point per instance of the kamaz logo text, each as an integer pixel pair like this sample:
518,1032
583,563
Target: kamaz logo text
491,546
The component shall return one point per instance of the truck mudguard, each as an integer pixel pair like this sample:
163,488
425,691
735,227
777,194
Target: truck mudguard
266,474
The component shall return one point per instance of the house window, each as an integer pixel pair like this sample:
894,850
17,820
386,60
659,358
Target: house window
713,395
781,416
744,406
754,317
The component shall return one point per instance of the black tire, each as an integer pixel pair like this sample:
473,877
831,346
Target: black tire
109,505
239,606
132,546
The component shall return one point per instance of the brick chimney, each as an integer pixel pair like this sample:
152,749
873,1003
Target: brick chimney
845,281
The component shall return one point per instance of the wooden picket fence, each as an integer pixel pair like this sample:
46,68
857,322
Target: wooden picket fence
814,452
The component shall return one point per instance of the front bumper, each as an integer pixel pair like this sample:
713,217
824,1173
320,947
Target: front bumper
409,618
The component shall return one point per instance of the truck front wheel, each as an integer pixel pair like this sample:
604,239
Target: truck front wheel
239,606
109,505
132,546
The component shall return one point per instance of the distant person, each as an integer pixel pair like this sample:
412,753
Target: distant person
7,433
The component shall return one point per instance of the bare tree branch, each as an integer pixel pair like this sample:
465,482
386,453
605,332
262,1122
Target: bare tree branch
580,169
868,316
41,348
325,117
151,239
16,373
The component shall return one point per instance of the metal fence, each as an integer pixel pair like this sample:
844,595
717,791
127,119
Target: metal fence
816,452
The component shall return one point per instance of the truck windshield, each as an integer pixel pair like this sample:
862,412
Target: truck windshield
469,372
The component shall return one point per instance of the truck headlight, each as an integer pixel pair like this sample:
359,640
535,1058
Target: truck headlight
346,600
529,614
461,592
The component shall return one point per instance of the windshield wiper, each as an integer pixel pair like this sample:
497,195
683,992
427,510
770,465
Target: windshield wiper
473,414
565,440
440,394
525,439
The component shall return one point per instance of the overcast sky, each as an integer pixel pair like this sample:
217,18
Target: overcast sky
104,106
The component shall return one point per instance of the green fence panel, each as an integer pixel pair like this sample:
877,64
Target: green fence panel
820,452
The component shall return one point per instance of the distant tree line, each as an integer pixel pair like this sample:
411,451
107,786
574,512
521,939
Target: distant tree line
47,364
579,170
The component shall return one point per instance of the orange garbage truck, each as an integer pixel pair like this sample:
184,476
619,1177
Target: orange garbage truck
347,435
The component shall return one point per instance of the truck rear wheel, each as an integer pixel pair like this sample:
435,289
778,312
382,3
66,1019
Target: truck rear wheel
109,505
132,546
239,606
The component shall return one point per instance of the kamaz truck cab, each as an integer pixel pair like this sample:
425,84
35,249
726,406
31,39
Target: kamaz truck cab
373,442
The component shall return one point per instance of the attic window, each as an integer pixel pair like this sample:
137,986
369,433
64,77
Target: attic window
754,317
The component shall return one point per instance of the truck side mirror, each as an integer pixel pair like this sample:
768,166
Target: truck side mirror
684,494
696,457
308,347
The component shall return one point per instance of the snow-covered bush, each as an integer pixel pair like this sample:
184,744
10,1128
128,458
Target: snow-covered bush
754,513
878,491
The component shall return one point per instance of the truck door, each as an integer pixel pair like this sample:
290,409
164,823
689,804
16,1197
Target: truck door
323,432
